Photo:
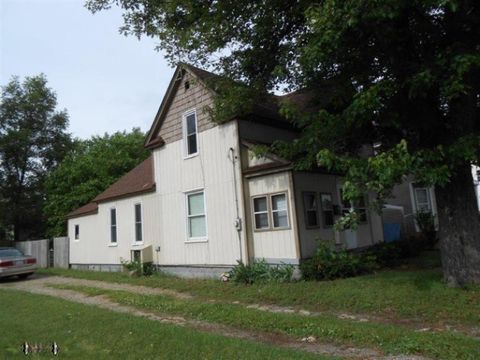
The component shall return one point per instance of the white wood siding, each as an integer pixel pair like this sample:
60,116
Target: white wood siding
94,246
272,244
212,171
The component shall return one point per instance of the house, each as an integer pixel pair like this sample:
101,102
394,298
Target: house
202,201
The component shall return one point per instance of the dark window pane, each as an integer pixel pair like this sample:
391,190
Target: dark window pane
138,232
280,219
77,231
113,217
191,124
362,215
138,213
328,218
261,221
260,204
113,234
192,144
312,218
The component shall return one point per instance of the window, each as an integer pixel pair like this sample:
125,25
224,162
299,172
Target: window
138,223
77,232
327,209
358,205
196,218
270,212
311,209
422,199
190,133
113,225
260,210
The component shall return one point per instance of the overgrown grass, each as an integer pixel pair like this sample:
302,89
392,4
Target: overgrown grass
86,332
413,294
389,338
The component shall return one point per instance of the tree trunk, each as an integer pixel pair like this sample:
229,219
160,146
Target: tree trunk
459,232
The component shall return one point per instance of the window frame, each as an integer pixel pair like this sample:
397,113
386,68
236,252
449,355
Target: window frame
352,206
135,240
185,115
429,199
76,231
195,239
113,226
305,210
270,211
267,202
323,210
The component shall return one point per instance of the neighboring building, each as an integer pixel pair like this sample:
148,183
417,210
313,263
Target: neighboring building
202,201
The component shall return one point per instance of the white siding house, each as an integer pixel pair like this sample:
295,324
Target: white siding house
202,202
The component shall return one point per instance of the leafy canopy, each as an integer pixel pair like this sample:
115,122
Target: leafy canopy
91,167
33,140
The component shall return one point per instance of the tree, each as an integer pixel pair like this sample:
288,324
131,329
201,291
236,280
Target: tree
33,140
403,75
91,167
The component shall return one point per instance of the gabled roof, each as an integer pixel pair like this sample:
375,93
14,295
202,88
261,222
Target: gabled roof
88,209
139,180
264,111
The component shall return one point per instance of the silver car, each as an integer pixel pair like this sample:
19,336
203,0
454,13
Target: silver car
14,263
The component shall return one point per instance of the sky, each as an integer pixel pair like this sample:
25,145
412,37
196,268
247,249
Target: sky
107,82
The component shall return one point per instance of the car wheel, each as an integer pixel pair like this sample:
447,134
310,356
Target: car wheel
24,276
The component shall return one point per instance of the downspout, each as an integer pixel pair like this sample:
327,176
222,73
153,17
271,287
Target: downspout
238,220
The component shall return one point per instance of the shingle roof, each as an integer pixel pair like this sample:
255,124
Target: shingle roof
138,180
88,209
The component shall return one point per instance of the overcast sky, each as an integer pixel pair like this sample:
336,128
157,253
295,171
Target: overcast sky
106,81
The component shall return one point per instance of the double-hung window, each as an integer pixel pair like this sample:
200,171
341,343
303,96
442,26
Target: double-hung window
113,225
138,223
270,212
190,138
196,216
311,209
422,200
359,206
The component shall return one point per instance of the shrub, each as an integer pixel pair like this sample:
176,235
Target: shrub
260,271
426,223
136,268
329,263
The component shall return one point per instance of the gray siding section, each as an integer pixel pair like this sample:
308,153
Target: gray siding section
198,97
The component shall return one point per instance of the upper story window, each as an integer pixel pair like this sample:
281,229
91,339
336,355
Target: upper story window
190,138
113,225
77,232
138,223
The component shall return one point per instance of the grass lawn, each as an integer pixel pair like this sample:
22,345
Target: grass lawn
86,332
389,338
417,294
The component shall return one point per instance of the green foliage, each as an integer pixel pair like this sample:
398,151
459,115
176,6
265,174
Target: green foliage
328,263
137,268
33,140
259,271
426,223
91,167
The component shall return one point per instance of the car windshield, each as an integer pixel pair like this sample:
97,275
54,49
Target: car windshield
10,253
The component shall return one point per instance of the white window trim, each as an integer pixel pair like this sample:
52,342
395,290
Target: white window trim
433,204
111,243
270,211
322,210
267,201
189,239
75,238
186,155
135,242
